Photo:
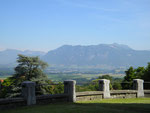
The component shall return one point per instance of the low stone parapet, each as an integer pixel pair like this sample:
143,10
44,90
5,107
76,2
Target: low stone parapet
147,93
123,93
93,95
89,95
11,103
44,99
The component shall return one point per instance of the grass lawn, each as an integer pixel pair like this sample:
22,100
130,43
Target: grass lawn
135,105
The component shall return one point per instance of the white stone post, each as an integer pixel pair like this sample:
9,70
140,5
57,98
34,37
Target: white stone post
69,88
104,86
138,85
28,92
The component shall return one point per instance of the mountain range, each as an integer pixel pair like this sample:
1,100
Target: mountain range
8,57
100,56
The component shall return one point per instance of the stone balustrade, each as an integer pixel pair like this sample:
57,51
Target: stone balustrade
70,95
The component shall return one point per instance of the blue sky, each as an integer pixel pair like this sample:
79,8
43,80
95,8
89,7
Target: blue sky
47,24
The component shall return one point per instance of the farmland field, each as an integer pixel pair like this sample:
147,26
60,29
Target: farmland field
4,77
80,78
62,77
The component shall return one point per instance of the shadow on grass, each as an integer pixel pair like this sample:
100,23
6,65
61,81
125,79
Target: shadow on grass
115,107
83,108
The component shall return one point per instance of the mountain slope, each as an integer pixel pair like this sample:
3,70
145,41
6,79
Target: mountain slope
114,55
99,56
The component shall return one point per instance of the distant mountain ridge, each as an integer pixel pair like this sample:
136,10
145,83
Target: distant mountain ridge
100,56
9,56
114,55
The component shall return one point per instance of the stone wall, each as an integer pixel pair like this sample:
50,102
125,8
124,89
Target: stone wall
11,103
80,96
104,91
147,93
41,99
89,95
70,95
45,99
123,94
29,97
93,95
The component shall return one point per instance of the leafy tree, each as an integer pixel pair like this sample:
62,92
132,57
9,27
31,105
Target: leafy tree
146,75
58,88
130,75
108,77
117,86
28,69
138,73
116,83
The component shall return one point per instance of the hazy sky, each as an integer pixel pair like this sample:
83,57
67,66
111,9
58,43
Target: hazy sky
47,24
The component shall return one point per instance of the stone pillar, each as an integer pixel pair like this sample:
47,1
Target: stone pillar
69,88
28,92
104,86
138,85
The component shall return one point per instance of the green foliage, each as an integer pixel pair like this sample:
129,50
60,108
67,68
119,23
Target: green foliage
146,75
50,88
130,75
8,81
138,73
94,85
6,87
58,88
29,69
91,86
117,86
108,77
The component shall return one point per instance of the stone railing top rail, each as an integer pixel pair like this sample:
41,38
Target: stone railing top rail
123,91
11,100
146,91
51,96
85,93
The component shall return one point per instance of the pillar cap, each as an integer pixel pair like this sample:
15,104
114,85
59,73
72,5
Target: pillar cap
104,80
73,81
138,80
28,83
69,81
